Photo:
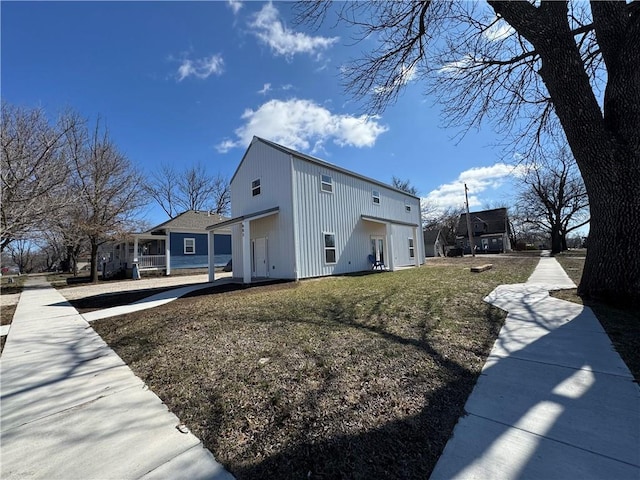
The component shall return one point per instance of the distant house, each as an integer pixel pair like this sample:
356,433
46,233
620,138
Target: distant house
434,244
179,243
296,216
489,229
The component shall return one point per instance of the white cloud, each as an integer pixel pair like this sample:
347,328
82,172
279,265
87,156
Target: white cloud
235,5
478,180
304,125
459,66
269,29
405,75
265,89
201,68
499,30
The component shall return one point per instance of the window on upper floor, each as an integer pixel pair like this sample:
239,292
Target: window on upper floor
329,247
326,183
407,207
255,187
375,194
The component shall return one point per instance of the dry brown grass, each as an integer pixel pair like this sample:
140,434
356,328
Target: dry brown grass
345,377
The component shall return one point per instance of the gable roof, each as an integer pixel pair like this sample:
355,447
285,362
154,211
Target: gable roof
496,221
192,220
317,161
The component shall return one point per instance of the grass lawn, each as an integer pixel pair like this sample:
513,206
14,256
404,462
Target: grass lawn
342,377
621,324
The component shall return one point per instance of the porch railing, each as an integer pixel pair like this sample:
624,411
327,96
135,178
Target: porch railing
152,261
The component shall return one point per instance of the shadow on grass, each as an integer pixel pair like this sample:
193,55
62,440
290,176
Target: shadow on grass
400,448
109,300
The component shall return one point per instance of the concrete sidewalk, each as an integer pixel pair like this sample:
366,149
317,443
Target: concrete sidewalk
149,302
72,409
554,399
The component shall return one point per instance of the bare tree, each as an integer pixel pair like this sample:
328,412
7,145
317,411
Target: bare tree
33,172
447,222
529,68
22,253
190,189
404,185
554,198
107,186
162,188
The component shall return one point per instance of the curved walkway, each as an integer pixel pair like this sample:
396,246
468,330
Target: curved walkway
149,302
554,399
72,409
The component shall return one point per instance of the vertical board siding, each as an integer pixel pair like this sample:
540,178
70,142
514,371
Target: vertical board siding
274,170
293,184
340,213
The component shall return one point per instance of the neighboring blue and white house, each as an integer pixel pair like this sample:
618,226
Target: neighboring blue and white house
295,216
177,244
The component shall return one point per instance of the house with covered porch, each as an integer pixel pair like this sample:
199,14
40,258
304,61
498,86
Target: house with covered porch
179,243
295,216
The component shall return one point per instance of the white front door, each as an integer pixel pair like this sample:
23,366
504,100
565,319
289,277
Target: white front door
259,266
377,248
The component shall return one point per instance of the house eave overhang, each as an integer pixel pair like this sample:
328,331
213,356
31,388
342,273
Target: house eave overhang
386,221
251,216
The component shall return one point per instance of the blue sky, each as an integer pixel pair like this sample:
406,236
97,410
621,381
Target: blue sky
191,82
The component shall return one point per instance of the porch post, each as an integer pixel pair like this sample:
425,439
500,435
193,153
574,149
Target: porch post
246,251
211,253
167,253
135,250
416,247
390,247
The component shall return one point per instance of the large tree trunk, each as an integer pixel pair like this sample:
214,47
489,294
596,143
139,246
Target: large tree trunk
605,144
612,268
556,239
94,263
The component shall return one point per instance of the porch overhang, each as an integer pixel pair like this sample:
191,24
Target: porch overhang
387,221
245,220
240,219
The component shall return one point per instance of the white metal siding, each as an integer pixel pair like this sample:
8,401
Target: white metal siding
273,168
340,212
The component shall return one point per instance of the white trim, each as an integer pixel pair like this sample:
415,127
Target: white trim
191,239
167,250
257,187
375,195
412,247
211,254
324,183
325,248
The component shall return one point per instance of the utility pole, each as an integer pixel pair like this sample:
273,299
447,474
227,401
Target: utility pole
471,245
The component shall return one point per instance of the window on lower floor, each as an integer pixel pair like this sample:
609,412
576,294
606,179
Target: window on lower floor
412,252
189,246
329,248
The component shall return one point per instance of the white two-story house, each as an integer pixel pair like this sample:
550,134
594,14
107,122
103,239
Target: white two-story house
295,216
